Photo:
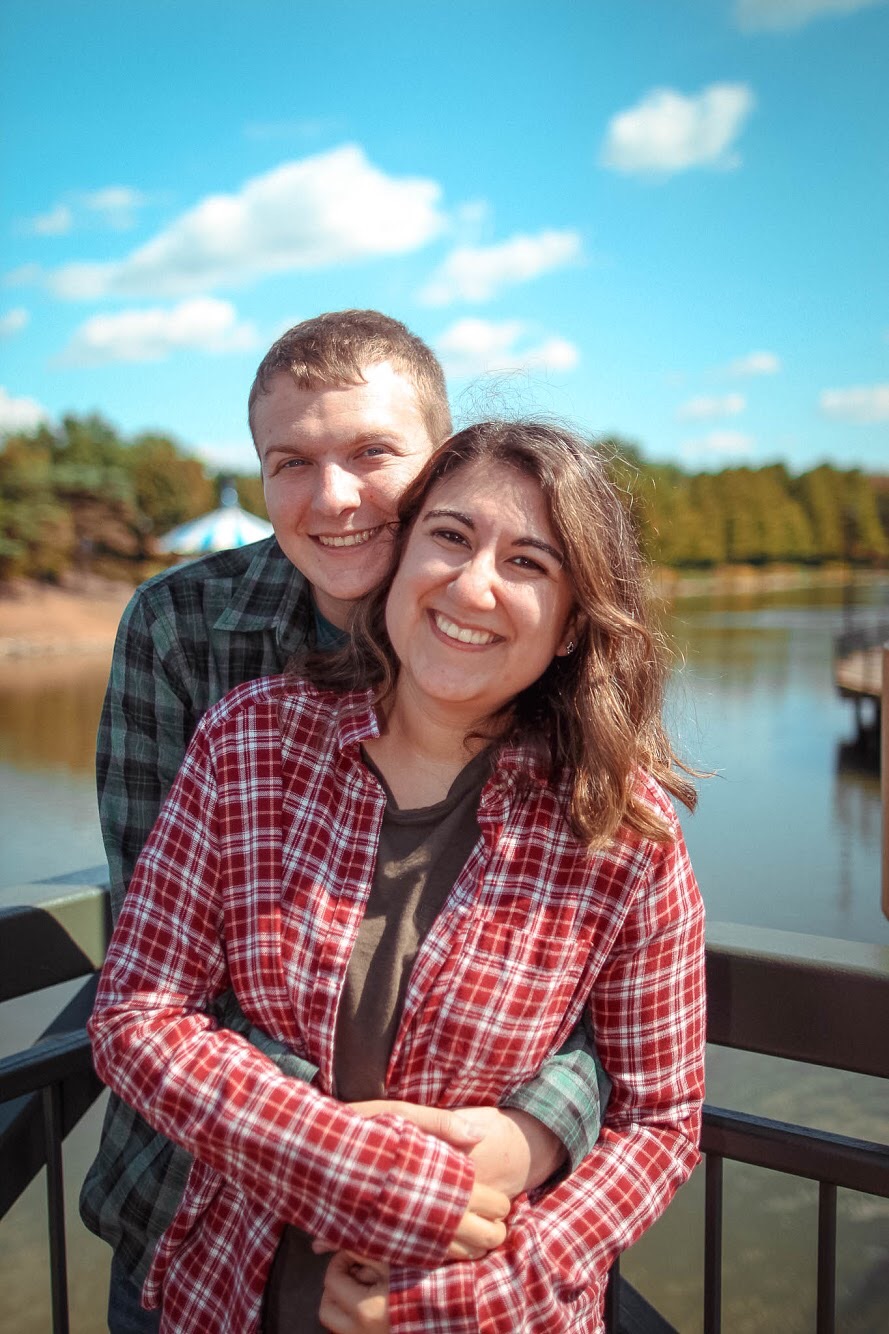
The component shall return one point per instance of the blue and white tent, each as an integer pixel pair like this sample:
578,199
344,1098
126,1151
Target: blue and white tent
221,529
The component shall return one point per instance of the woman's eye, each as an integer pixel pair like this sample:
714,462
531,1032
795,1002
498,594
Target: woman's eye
449,535
529,564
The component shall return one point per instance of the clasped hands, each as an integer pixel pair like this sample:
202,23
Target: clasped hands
511,1151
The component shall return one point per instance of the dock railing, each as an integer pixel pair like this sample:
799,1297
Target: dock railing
824,1002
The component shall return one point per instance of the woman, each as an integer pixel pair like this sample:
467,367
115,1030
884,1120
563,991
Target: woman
515,715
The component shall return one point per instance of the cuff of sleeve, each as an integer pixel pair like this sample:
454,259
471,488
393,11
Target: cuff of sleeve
443,1302
565,1097
420,1204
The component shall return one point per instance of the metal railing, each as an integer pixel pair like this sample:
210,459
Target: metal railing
763,989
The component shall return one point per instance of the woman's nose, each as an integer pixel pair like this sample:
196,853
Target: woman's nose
474,583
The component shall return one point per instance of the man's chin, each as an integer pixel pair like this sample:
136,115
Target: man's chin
343,574
347,587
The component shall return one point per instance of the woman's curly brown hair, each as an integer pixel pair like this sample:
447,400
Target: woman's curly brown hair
597,713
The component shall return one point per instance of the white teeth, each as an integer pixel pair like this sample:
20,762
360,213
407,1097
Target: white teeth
464,636
348,539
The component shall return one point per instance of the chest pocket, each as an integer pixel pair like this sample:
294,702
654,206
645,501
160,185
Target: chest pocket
515,995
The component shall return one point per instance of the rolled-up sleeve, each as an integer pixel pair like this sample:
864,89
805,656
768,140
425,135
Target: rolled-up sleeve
380,1186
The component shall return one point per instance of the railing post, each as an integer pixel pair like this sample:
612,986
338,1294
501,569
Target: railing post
612,1299
884,771
713,1244
827,1258
55,1204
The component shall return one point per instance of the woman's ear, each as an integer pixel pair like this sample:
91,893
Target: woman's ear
570,635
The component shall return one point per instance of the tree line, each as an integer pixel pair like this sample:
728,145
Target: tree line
81,497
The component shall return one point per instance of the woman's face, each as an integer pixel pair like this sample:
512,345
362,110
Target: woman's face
481,603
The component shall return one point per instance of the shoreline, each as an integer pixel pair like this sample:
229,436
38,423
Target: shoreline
53,621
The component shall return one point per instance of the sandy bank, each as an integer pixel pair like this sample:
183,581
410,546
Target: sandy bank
39,620
42,620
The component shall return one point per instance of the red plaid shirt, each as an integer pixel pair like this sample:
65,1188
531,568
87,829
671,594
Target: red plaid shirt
255,878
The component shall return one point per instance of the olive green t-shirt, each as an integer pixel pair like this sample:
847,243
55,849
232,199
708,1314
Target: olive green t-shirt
420,856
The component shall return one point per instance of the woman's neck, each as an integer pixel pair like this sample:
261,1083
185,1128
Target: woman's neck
420,753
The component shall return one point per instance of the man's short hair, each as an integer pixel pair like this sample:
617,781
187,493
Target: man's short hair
332,350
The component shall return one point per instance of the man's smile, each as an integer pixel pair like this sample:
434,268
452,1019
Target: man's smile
346,539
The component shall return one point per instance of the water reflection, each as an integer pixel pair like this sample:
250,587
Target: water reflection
49,712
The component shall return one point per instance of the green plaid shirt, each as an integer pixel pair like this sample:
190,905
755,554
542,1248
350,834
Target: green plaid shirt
187,637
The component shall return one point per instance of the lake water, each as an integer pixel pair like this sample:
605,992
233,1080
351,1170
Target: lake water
787,835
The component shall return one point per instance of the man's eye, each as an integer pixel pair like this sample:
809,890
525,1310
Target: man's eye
293,463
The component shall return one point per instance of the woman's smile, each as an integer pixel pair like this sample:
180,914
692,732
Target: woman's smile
462,634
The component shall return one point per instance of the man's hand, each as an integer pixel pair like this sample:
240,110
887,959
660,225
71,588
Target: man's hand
510,1150
356,1295
517,1152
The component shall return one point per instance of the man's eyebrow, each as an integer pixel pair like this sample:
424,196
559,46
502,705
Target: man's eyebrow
536,543
366,437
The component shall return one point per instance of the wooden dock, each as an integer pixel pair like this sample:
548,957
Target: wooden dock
860,673
858,666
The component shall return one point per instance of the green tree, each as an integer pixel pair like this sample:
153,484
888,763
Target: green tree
37,536
169,487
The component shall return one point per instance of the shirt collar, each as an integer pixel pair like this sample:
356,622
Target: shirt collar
273,595
357,722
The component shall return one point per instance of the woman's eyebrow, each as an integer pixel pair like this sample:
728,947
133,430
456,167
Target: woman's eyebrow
536,543
539,545
450,514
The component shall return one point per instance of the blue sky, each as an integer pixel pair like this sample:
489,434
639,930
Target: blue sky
663,220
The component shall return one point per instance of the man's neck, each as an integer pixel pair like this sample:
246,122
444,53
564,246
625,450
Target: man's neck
335,610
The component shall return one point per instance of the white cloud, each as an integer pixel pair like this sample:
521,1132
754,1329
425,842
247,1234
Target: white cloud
311,127
238,456
755,363
19,414
13,321
57,222
472,347
23,276
203,324
756,15
477,273
862,405
668,132
117,205
332,208
734,444
701,408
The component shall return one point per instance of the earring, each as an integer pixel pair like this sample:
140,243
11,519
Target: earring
570,647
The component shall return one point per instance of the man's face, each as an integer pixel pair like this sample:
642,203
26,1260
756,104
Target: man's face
334,465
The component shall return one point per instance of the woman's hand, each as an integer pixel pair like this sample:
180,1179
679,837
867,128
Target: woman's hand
511,1150
483,1227
356,1295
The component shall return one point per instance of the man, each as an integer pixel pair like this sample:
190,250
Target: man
345,409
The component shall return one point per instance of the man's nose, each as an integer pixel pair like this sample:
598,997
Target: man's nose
337,490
